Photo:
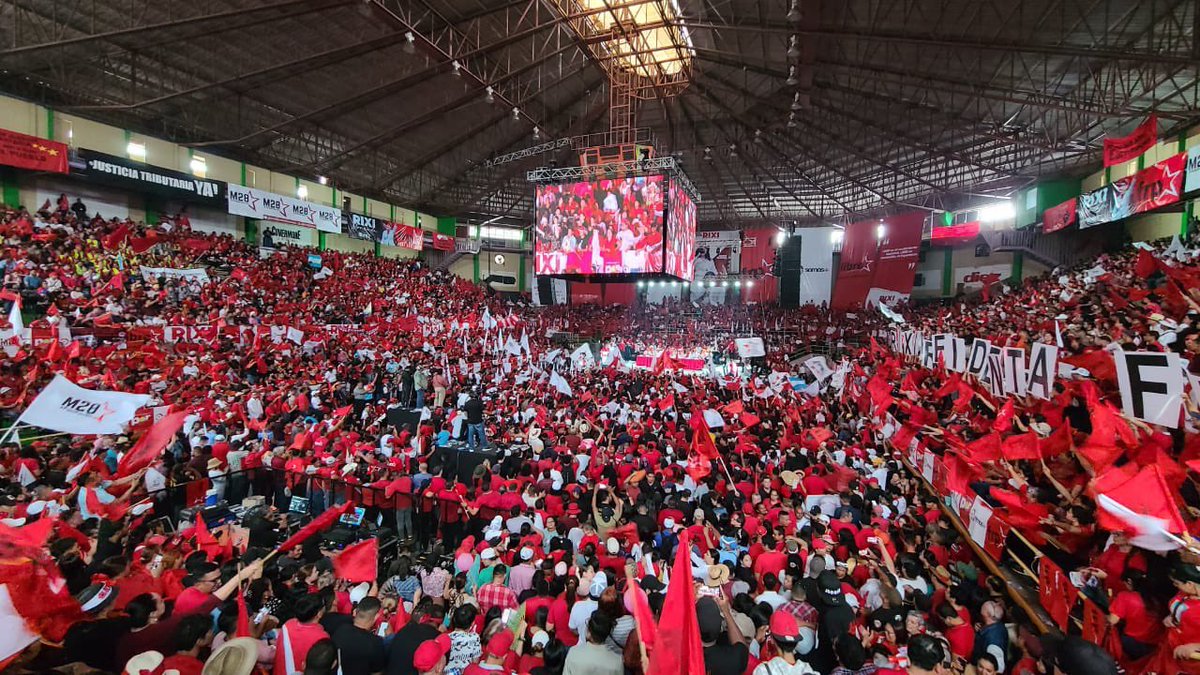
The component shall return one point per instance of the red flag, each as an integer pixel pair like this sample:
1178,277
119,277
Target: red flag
342,412
204,539
1004,417
1022,513
1021,446
643,618
319,523
243,617
881,393
1125,148
702,442
679,650
986,449
1058,442
116,237
151,444
735,408
667,403
359,562
748,419
1142,506
1146,264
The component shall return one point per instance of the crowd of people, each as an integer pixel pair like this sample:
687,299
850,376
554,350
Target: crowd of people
630,521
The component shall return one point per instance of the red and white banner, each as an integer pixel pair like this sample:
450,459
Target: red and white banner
1159,185
31,152
443,242
403,236
1059,217
751,347
857,265
898,252
67,407
1120,150
261,205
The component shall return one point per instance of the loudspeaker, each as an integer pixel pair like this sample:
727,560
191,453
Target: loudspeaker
789,270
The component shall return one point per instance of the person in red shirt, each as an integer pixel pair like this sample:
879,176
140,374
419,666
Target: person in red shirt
495,656
192,637
1138,624
204,591
958,632
299,634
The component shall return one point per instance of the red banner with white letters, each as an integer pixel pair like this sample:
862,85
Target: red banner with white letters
30,152
443,242
1059,217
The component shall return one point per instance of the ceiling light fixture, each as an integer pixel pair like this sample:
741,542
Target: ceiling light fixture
537,132
322,180
491,95
732,150
794,47
758,136
792,80
796,102
457,69
516,113
792,121
410,43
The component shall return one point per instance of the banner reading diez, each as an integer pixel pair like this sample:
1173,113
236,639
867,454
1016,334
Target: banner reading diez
30,152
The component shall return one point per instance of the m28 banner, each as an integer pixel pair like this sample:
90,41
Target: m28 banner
65,406
32,153
252,203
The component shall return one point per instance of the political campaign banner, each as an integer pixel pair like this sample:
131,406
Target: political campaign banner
1059,217
253,203
899,249
1122,149
1094,208
362,227
32,153
65,406
154,273
816,261
141,177
1192,170
403,236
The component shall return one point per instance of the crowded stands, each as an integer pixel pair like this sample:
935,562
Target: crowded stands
423,480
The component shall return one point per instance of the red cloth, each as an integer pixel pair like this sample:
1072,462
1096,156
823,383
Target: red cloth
359,562
679,650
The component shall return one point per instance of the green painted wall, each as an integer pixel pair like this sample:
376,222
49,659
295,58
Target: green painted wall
447,226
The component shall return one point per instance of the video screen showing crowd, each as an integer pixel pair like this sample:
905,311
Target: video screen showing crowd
600,227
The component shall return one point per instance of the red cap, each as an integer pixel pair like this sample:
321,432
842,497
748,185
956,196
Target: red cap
784,626
499,644
428,655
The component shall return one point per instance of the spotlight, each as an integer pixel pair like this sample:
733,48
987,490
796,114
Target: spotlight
322,180
781,238
724,284
794,47
880,231
516,113
536,132
136,150
737,283
457,69
302,192
750,284
199,166
491,95
410,43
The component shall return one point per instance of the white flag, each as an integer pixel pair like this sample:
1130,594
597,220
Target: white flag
818,367
65,406
525,343
749,348
295,335
560,383
582,357
14,633
713,419
1151,385
512,347
487,320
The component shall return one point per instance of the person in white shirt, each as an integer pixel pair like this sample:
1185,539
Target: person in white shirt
771,595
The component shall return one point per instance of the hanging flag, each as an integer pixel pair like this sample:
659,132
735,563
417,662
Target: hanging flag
1125,148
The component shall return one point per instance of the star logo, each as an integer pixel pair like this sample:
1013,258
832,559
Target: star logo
105,411
1171,194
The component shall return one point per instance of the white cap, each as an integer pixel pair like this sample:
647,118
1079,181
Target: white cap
612,545
560,569
488,554
526,553
540,639
359,592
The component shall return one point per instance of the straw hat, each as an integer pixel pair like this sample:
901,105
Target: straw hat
235,657
790,478
718,575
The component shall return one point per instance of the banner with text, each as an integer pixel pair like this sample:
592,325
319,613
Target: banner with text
32,153
253,203
816,259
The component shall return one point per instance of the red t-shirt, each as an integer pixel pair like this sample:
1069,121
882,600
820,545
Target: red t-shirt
1139,624
194,601
301,637
961,639
560,616
186,665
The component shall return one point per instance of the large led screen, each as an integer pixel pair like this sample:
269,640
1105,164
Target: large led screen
600,227
681,233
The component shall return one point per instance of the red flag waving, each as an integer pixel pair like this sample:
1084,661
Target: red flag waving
151,444
319,523
243,617
1142,506
702,443
359,562
678,650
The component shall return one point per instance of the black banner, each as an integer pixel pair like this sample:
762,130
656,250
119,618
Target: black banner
141,177
362,227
